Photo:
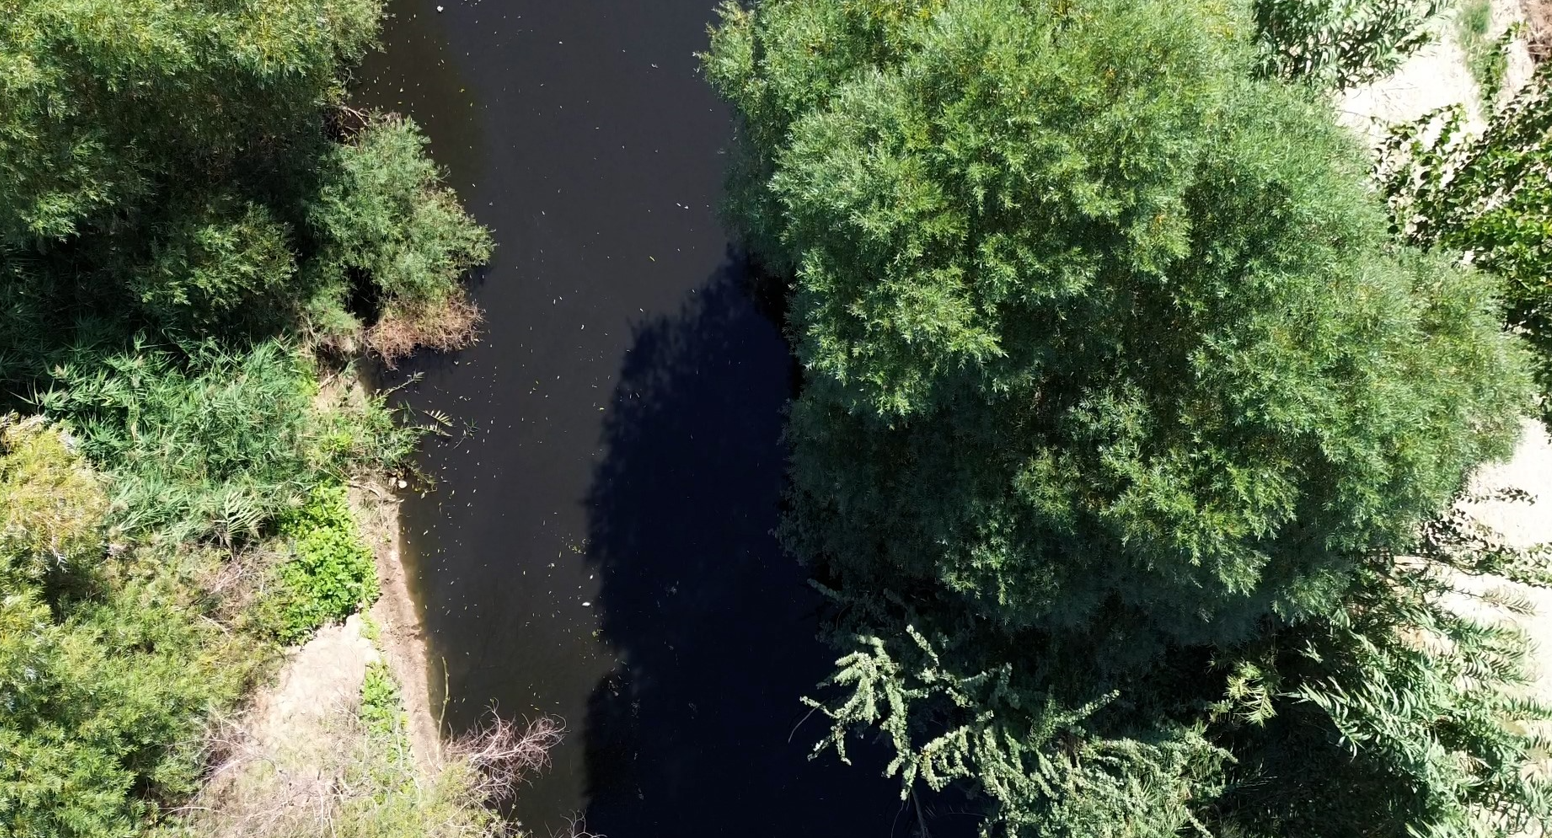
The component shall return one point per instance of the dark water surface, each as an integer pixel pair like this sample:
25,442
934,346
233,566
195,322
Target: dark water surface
599,546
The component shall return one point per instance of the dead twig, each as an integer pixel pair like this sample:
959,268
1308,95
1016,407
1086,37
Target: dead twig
504,755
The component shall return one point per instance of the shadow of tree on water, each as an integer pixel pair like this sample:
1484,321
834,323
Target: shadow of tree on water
698,730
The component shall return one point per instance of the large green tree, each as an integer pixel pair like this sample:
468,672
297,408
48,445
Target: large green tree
1111,376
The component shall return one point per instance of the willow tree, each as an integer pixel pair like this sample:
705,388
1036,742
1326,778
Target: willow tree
192,165
1111,377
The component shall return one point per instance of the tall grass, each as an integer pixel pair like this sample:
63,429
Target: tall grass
213,442
1486,55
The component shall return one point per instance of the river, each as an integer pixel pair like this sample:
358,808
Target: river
599,545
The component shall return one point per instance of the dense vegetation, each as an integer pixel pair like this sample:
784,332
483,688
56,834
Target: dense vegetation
1487,194
1124,398
1120,400
195,235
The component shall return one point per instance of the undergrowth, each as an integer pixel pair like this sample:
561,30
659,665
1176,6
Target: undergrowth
209,441
386,796
1486,55
332,572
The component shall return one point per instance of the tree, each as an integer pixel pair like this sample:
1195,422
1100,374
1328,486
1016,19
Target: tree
103,682
266,213
1111,372
95,100
189,212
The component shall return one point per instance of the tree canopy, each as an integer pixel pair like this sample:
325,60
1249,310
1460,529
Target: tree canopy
1112,373
190,164
189,216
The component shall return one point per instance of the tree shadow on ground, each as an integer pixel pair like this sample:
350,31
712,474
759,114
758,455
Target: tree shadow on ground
699,729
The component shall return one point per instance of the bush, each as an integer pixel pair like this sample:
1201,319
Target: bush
1337,44
381,709
332,573
383,212
103,683
1488,195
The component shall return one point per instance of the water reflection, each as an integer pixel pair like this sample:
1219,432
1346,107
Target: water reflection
713,625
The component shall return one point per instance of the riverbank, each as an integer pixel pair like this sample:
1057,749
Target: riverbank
401,635
343,737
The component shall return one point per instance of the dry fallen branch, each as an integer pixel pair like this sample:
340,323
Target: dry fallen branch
504,756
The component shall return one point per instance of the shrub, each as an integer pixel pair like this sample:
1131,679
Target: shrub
103,684
51,521
1489,195
1337,44
381,710
332,572
383,213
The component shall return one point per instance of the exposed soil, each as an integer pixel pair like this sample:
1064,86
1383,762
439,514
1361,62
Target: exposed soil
1538,14
279,761
1436,77
401,636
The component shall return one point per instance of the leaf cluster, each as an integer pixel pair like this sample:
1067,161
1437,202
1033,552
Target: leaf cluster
1487,194
332,572
1340,44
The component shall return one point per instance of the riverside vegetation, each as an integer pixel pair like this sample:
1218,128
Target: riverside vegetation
1123,393
196,236
1123,398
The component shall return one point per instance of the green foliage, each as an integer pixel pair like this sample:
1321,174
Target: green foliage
332,573
381,709
1046,770
1486,57
216,261
1413,697
214,450
216,445
1111,369
252,218
96,98
1487,194
103,683
382,210
1337,44
185,214
388,797
54,504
